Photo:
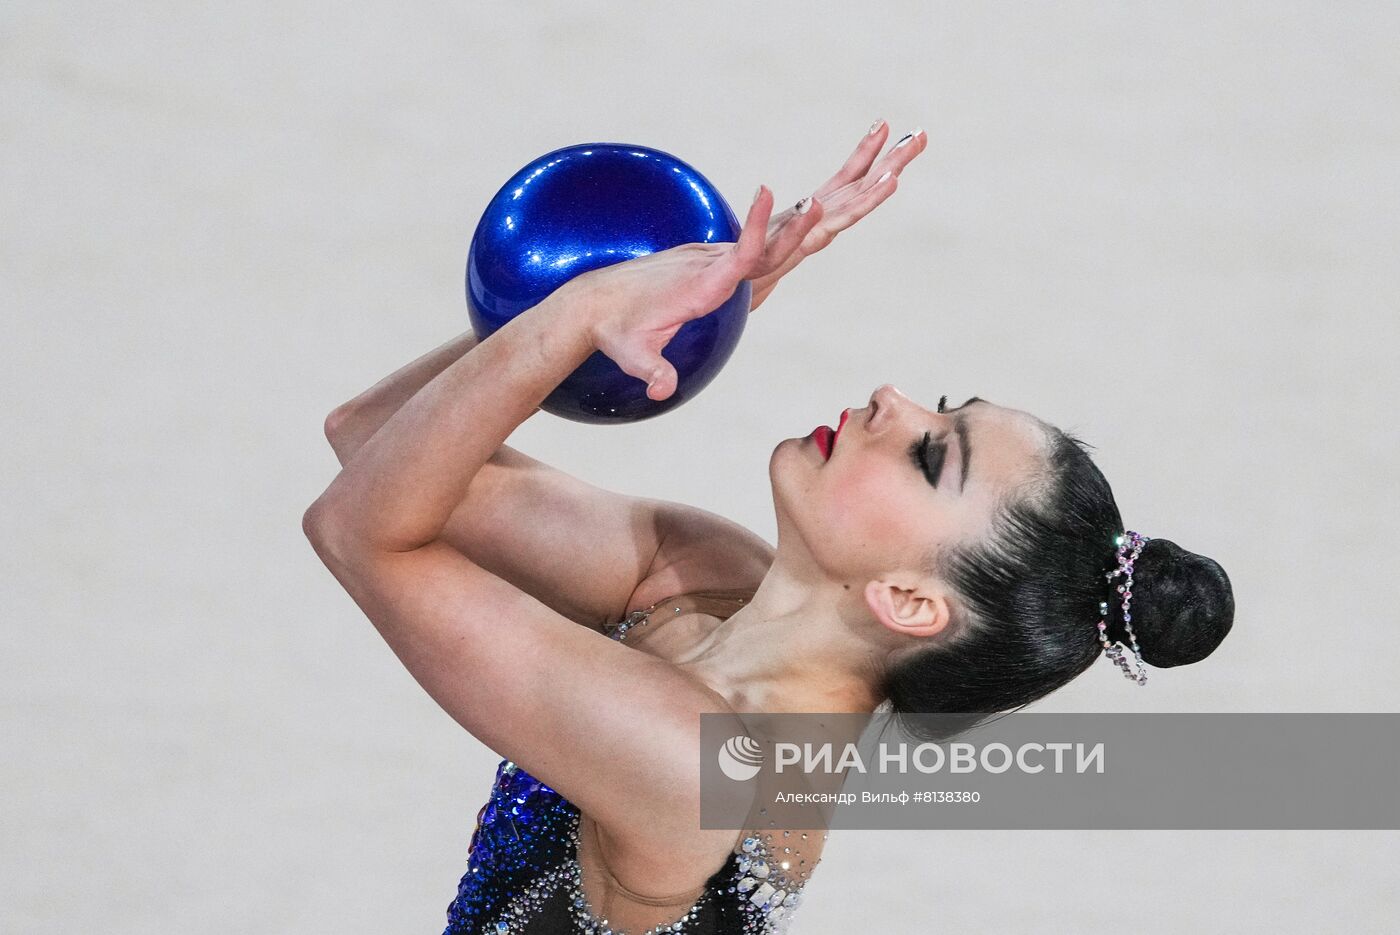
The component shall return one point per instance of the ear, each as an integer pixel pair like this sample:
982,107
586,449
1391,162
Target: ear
923,610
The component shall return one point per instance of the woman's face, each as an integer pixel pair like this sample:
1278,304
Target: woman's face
901,481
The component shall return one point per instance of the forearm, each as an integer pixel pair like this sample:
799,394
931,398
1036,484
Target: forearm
399,490
353,423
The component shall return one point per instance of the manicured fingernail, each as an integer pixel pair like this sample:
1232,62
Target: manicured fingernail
885,176
875,127
803,206
906,138
756,194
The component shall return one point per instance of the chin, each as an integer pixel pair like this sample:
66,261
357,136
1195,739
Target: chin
786,461
790,477
779,470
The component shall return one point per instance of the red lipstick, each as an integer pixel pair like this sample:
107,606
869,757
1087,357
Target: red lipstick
825,436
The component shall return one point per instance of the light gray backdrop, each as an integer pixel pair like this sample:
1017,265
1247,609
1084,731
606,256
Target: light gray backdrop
1170,227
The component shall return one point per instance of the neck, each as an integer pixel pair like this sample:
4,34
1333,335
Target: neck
797,646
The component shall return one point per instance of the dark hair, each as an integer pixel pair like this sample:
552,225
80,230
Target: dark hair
1027,602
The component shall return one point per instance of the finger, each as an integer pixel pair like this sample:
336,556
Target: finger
859,162
901,154
662,381
748,249
781,244
862,203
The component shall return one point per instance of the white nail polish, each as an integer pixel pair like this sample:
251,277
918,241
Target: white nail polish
887,174
803,206
907,138
875,127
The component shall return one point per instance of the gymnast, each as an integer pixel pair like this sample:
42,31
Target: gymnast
965,559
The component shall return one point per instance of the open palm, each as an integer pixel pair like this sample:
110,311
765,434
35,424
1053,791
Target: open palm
865,180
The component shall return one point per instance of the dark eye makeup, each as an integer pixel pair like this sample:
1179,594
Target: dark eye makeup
927,454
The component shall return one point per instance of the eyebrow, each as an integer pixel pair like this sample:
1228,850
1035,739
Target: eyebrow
964,446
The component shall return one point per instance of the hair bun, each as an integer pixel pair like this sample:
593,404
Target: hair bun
1182,605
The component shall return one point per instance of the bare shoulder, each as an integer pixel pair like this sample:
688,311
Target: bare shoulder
701,550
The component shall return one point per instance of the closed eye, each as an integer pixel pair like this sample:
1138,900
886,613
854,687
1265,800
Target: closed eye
928,456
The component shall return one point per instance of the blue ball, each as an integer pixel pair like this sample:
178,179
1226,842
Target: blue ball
591,205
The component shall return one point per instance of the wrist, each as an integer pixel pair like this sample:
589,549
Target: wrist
573,307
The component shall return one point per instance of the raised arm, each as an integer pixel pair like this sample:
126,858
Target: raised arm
593,554
550,695
581,550
402,487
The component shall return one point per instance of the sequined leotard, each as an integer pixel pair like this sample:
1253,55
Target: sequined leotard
523,871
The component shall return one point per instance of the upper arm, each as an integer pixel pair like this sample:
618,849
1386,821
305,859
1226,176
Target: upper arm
575,709
593,554
701,550
577,548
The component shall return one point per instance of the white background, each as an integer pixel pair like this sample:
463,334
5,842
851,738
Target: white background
1172,228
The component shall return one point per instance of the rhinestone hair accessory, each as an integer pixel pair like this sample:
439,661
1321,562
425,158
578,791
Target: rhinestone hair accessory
1130,546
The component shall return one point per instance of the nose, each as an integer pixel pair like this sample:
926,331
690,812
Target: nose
887,390
884,403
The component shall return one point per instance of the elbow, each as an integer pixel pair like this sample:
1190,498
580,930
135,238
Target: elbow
326,530
339,535
337,422
315,524
340,428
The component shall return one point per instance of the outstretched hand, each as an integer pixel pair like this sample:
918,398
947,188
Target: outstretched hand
637,306
853,192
